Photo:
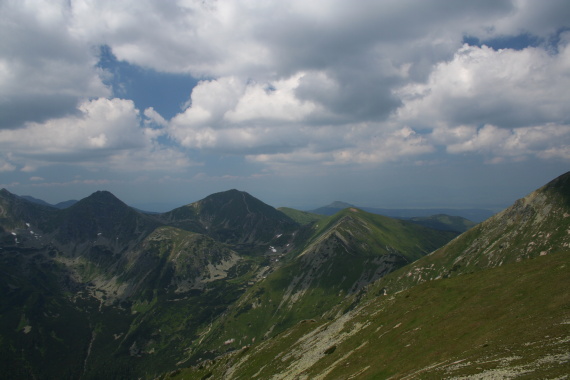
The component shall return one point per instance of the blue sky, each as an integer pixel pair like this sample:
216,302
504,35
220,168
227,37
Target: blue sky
384,104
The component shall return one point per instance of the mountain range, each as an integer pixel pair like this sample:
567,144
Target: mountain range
472,214
459,220
230,287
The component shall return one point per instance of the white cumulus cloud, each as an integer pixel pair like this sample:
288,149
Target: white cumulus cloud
105,131
322,82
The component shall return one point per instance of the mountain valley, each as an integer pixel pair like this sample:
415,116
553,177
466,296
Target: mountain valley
229,287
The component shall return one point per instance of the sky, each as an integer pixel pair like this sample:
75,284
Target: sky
392,103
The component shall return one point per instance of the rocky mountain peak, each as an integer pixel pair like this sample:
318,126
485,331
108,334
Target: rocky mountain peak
101,198
233,217
103,215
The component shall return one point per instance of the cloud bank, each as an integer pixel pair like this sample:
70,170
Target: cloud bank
285,84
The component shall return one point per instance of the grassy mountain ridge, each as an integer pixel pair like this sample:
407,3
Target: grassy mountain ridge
345,253
140,289
301,217
535,225
491,303
505,322
476,215
238,289
359,233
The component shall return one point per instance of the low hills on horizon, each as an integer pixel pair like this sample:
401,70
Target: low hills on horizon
229,287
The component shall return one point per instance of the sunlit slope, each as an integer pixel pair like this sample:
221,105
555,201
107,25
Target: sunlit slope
346,252
497,323
492,302
538,224
301,217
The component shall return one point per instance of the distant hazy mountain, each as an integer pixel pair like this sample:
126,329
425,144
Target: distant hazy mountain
35,200
65,204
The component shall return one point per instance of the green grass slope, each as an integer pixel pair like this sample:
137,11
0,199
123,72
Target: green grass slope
301,217
538,224
346,252
505,322
173,284
493,299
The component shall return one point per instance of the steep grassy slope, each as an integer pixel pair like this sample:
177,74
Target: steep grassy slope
538,224
476,215
506,322
301,217
345,253
492,302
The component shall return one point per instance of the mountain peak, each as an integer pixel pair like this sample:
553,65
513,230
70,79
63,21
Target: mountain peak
562,181
103,194
100,198
559,186
536,225
340,204
232,216
5,193
332,208
103,214
232,193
